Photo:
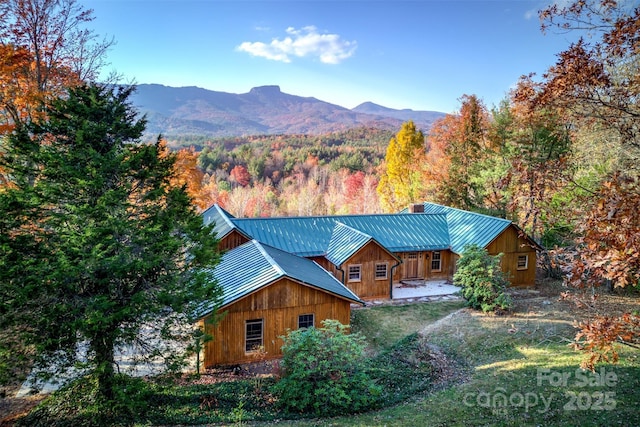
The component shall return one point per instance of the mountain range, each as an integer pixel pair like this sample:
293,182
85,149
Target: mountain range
193,111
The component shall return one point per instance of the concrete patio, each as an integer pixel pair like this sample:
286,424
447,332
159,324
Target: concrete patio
423,288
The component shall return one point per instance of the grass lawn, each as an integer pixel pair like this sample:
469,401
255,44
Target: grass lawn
385,325
516,370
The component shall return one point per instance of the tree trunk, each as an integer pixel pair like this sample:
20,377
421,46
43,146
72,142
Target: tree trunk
102,347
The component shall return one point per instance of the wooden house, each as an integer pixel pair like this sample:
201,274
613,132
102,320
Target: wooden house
369,253
265,292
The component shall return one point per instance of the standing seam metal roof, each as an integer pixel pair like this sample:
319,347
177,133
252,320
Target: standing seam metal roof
221,218
345,241
253,265
311,236
468,227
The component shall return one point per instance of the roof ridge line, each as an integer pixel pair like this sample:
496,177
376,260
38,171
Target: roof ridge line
354,229
269,258
469,212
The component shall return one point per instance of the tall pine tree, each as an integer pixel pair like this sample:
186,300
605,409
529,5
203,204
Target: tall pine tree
97,244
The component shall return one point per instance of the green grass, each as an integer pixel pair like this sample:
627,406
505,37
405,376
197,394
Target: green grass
385,325
523,358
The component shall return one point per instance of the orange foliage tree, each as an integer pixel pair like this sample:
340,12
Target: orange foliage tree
599,83
457,149
44,49
187,173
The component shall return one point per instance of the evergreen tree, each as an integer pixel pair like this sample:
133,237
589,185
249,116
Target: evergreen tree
97,244
400,181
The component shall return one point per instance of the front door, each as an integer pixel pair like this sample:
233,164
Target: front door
411,265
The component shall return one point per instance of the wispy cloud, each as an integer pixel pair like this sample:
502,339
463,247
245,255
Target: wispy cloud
305,42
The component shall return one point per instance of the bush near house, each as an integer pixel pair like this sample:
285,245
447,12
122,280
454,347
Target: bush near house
325,371
482,281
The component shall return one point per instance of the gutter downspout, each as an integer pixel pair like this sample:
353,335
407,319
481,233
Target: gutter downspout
391,279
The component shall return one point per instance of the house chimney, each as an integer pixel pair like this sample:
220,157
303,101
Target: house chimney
416,208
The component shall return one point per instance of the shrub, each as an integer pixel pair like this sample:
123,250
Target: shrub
482,281
79,404
324,372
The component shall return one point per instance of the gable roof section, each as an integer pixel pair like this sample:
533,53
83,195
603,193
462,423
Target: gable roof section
468,227
311,236
221,218
253,265
345,241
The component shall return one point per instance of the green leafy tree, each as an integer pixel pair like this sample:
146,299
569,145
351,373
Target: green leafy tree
483,282
97,243
400,181
324,371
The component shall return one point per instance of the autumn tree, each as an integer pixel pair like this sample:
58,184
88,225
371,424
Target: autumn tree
541,145
598,81
240,175
188,174
359,193
464,151
400,182
45,48
97,244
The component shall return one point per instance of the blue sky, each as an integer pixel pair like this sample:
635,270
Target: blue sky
418,54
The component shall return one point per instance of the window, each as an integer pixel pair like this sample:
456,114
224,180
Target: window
436,261
381,271
523,262
253,335
305,321
355,273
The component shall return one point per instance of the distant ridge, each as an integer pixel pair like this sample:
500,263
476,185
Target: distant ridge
419,117
191,110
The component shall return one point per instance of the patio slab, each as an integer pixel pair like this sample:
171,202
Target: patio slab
422,288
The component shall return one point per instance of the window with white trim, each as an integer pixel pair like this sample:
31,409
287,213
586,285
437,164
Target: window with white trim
436,261
381,271
305,321
355,273
253,335
523,262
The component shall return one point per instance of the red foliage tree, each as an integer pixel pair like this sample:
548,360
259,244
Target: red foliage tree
240,175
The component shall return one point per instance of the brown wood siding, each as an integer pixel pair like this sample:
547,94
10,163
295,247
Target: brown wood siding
232,240
445,262
424,266
279,305
367,257
512,245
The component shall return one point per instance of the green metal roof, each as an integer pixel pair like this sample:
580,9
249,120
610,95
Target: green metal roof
253,265
345,241
310,236
438,228
222,219
468,227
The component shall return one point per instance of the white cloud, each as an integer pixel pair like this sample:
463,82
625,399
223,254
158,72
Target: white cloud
305,42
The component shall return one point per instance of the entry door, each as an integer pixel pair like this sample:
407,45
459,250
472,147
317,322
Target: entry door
411,265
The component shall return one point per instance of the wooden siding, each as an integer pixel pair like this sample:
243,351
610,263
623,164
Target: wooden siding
512,245
367,257
279,305
232,240
424,270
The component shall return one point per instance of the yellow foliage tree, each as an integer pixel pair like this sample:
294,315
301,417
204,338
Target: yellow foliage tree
400,180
